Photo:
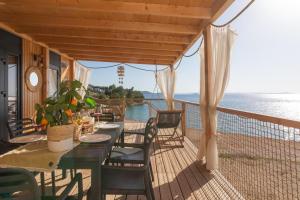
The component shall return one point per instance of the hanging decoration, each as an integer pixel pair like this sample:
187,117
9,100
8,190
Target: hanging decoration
120,72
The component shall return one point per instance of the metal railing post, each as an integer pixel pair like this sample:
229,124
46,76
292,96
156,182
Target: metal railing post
183,119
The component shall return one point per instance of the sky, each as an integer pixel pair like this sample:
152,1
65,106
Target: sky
265,56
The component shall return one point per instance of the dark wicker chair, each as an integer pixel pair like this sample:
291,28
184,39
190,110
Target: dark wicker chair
131,180
27,126
168,119
22,126
21,184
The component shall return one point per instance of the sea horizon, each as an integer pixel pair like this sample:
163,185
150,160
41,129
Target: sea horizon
282,105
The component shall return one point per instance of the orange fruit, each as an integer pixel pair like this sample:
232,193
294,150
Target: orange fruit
74,102
44,122
69,112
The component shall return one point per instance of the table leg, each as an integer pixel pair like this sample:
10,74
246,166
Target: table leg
94,192
122,138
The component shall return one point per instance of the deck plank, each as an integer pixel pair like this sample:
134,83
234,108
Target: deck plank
178,174
197,186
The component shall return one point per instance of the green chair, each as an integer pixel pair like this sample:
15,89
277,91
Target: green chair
130,180
18,183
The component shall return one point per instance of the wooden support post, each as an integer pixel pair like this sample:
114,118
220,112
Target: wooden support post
72,70
183,119
208,63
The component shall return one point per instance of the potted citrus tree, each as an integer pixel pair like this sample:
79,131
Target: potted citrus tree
55,114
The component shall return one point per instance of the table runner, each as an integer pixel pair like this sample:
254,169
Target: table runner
33,156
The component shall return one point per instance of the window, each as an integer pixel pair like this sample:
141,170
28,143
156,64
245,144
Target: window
54,72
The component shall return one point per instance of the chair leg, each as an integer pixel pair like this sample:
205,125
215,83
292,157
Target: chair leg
148,194
42,176
72,173
151,171
148,190
53,183
64,174
151,190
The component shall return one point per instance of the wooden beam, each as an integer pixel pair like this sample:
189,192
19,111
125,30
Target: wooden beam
113,54
108,35
115,7
100,49
218,8
130,57
52,21
122,60
110,43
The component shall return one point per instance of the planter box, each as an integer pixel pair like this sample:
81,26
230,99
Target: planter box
60,138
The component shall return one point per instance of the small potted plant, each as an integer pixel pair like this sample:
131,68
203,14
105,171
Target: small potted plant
55,114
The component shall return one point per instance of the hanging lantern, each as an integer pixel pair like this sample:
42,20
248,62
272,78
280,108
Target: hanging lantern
121,75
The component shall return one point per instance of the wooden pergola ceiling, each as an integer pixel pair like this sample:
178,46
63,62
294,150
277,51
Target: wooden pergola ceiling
133,31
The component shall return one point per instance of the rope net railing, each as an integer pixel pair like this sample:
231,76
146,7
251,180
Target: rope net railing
261,159
258,155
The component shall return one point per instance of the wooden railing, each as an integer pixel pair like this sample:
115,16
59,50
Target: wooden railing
259,154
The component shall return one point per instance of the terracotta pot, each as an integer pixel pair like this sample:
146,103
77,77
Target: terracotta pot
60,138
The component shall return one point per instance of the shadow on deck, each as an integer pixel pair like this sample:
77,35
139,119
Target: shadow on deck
178,174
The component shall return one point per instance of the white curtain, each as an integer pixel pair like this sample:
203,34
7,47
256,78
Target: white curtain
166,83
52,81
217,79
82,74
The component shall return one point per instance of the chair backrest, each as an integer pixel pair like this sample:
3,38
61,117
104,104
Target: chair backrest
18,127
104,117
150,133
14,181
168,118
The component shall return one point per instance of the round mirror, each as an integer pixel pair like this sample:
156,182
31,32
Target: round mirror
33,78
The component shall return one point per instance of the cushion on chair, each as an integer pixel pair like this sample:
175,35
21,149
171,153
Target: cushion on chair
119,154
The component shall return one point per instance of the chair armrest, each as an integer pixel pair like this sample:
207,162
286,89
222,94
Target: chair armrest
133,133
70,186
141,145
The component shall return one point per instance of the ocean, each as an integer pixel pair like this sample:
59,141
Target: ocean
283,105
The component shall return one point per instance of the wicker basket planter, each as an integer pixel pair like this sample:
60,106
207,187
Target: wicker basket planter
60,138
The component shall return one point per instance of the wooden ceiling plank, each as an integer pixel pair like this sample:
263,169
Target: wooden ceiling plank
117,7
123,60
114,54
52,21
111,43
109,35
129,59
67,47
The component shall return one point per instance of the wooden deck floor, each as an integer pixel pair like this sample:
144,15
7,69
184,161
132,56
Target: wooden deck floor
178,175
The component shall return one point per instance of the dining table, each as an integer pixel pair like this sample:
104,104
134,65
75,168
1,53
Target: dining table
91,156
88,156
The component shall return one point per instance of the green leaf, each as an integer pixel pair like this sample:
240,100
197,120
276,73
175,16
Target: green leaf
61,99
76,84
73,108
49,117
39,116
65,118
37,106
90,102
